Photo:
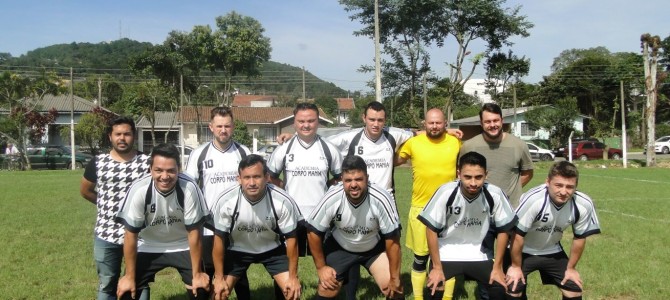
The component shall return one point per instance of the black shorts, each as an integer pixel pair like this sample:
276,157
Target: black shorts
342,260
474,270
275,261
148,264
552,269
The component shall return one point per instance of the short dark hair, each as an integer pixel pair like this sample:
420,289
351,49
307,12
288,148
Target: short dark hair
251,160
165,150
472,158
564,169
306,106
374,105
492,108
118,121
354,162
222,111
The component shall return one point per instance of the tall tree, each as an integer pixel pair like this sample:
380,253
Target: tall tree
557,119
502,69
650,50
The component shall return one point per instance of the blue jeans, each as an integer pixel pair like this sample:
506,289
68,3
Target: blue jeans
108,257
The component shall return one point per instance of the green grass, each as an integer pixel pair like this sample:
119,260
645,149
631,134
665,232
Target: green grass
47,235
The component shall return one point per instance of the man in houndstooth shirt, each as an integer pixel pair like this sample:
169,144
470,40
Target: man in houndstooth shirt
105,182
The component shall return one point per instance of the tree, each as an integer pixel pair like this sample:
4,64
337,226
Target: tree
501,69
328,104
558,120
148,97
650,49
241,134
90,130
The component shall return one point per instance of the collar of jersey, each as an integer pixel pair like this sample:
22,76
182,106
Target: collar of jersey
306,145
554,204
222,150
460,192
365,132
165,194
365,198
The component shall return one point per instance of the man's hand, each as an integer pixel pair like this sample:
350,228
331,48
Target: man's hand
394,289
498,276
221,289
572,274
455,132
292,289
283,138
126,284
435,280
327,277
514,275
200,281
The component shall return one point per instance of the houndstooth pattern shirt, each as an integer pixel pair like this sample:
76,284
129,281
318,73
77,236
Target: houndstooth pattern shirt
112,180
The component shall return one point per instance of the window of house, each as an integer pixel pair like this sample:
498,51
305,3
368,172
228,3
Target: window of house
267,134
526,131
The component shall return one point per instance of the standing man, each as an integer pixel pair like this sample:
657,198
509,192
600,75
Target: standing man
11,150
510,164
433,158
163,215
105,183
255,217
365,230
305,159
214,166
545,212
458,217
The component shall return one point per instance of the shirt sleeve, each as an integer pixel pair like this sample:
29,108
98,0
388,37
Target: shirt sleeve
320,218
526,212
90,173
132,214
504,218
389,225
288,218
588,220
336,165
192,164
526,159
434,214
406,149
276,160
195,210
400,135
222,218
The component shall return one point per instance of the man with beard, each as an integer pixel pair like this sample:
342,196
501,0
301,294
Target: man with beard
510,164
214,167
163,215
458,217
545,213
364,228
106,179
433,158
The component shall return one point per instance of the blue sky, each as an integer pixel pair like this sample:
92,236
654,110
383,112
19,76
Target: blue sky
317,34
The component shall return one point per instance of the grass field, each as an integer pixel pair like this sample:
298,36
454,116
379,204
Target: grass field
46,239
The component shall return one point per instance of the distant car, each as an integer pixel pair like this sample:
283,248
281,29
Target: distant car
662,145
586,150
266,151
538,153
558,152
55,157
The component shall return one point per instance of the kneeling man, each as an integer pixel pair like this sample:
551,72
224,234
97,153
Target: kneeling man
364,229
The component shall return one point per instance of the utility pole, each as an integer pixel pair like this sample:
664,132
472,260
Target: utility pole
304,99
100,91
624,145
378,68
181,116
72,157
425,97
514,129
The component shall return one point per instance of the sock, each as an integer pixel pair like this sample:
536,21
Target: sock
449,288
418,283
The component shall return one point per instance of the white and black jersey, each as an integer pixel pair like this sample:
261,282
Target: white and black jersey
356,228
378,154
112,180
461,223
542,223
306,168
215,169
163,219
255,227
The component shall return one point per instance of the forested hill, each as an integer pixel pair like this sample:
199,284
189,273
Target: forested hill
113,57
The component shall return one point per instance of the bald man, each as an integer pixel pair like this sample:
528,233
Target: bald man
434,156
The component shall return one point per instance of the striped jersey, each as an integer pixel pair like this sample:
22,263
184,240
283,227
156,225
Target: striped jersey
306,168
357,228
112,180
255,227
378,154
163,219
542,223
461,224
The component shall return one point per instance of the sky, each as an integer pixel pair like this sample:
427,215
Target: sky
318,34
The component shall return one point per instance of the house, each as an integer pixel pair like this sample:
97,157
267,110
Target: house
64,105
517,125
254,100
344,108
266,123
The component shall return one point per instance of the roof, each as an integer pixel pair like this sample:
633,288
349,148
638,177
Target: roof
245,100
345,103
164,119
63,103
252,115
